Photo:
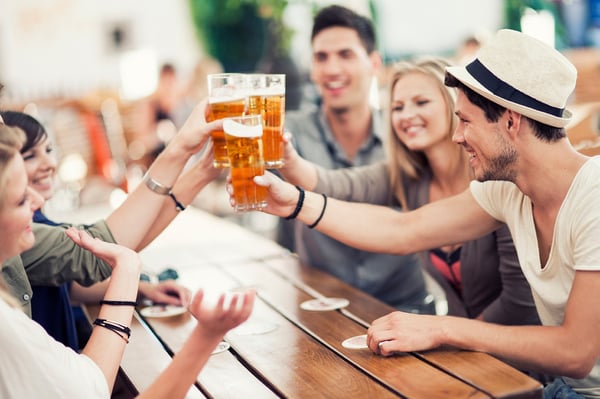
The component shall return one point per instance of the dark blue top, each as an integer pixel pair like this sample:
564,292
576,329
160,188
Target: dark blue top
51,306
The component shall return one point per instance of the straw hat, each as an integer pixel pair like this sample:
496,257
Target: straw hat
522,74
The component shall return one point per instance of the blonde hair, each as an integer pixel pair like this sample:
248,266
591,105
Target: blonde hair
11,140
402,161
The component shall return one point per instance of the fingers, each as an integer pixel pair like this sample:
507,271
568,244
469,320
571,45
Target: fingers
197,299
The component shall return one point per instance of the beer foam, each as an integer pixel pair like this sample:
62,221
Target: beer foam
268,91
237,129
224,99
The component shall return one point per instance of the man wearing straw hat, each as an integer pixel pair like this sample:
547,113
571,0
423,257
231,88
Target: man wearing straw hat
511,106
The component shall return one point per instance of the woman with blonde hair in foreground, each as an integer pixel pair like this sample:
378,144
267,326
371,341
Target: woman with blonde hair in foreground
35,365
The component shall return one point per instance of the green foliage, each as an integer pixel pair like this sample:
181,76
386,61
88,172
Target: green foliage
514,9
240,33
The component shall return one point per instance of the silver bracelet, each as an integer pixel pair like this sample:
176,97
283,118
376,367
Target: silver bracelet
155,186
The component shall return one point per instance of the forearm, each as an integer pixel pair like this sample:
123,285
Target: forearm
183,370
185,190
134,218
300,172
536,348
105,347
91,294
382,229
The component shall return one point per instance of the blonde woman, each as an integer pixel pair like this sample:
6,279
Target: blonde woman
33,364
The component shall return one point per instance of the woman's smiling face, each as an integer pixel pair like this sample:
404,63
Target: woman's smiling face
419,111
16,212
40,164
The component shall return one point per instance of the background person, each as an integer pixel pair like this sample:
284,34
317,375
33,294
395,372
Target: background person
342,131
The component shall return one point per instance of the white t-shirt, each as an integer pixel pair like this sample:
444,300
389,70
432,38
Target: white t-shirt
575,245
34,365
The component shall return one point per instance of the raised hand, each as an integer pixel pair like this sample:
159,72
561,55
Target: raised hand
216,321
113,254
282,197
196,131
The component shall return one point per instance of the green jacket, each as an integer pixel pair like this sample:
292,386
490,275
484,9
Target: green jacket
55,259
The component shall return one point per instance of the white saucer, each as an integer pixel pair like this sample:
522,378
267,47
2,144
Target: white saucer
324,304
162,311
357,342
221,347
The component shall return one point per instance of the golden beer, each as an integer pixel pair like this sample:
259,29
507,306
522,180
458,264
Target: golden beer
220,110
266,96
226,98
272,109
245,152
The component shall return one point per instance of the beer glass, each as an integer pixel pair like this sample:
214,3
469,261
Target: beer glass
244,149
266,97
226,98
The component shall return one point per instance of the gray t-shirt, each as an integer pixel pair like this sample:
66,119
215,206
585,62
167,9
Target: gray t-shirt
396,280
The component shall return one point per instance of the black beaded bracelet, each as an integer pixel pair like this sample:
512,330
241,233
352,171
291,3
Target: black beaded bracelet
178,205
298,204
312,226
115,327
118,303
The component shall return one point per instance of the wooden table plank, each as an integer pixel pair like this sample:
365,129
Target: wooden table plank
465,364
223,376
284,358
498,379
403,374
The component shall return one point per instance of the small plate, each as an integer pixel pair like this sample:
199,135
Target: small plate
221,347
357,342
253,327
324,304
163,311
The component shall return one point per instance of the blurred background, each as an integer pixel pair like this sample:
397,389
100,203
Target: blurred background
97,74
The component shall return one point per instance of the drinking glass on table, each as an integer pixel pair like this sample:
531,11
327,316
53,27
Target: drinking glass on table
226,98
244,149
266,97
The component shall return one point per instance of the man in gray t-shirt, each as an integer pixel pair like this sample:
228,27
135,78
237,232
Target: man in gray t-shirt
343,131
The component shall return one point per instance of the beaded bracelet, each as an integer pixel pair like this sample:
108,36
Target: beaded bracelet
115,327
316,222
178,205
298,204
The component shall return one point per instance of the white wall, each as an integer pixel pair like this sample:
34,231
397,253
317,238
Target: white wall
434,26
58,47
64,46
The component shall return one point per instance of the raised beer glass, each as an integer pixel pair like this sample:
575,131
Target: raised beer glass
266,97
226,98
244,149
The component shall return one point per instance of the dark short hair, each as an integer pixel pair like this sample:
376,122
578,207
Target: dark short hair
494,111
34,130
341,16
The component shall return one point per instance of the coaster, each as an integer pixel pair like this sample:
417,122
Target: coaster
358,342
324,304
221,347
163,311
255,328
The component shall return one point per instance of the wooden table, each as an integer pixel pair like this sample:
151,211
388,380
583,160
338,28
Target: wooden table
302,355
